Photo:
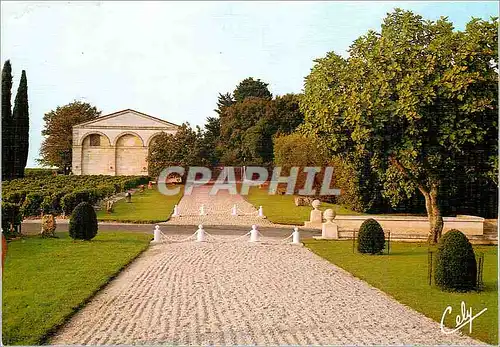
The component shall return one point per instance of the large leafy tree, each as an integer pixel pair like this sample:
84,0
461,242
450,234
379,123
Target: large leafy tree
7,122
247,127
56,149
20,116
251,88
185,148
245,132
414,98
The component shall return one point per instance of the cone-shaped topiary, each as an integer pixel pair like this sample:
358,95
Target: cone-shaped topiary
371,238
83,222
455,262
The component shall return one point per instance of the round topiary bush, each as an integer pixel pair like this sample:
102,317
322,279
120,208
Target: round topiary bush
455,262
83,222
371,238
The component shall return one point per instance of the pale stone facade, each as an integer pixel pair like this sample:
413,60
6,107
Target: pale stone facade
116,144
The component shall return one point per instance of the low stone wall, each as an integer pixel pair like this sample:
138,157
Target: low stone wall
469,225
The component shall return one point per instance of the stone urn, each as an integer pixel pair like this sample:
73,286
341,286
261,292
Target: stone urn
315,217
329,229
316,204
329,215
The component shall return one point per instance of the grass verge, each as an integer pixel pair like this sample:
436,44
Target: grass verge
403,275
281,209
150,206
45,281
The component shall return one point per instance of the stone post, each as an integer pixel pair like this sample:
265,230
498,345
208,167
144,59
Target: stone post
261,212
296,236
254,234
176,211
157,235
200,234
329,229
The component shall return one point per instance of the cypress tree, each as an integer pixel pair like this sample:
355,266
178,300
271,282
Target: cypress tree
7,122
21,123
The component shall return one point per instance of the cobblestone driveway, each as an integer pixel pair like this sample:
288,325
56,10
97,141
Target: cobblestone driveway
217,208
242,293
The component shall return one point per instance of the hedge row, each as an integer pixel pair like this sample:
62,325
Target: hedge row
58,194
33,172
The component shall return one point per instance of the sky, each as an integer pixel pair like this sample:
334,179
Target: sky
171,59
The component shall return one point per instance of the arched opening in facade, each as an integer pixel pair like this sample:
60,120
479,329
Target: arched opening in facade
97,154
130,155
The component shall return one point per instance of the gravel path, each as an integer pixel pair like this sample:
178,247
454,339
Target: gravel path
241,293
217,208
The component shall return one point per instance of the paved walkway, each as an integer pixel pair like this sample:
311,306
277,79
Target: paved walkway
241,293
217,208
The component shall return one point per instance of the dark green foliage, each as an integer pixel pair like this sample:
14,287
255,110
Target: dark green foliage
55,194
35,172
31,204
455,262
185,148
83,222
251,88
414,99
371,238
7,122
20,116
247,128
11,216
223,101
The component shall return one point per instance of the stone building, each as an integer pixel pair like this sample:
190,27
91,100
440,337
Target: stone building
116,144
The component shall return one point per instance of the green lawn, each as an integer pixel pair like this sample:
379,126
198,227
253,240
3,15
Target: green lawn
47,280
281,209
403,275
150,206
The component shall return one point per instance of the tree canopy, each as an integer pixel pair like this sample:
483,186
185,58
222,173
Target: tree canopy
247,128
251,88
185,148
15,125
56,149
20,115
414,99
7,121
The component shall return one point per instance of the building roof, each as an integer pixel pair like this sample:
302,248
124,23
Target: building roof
128,110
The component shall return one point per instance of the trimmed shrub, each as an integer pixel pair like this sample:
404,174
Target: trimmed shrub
11,216
16,197
35,172
83,222
32,204
371,238
455,262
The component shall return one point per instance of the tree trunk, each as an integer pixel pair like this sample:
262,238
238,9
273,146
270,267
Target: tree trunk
431,202
434,214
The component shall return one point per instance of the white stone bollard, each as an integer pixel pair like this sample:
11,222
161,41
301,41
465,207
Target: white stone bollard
202,210
234,211
254,234
156,235
176,211
261,212
200,234
295,236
